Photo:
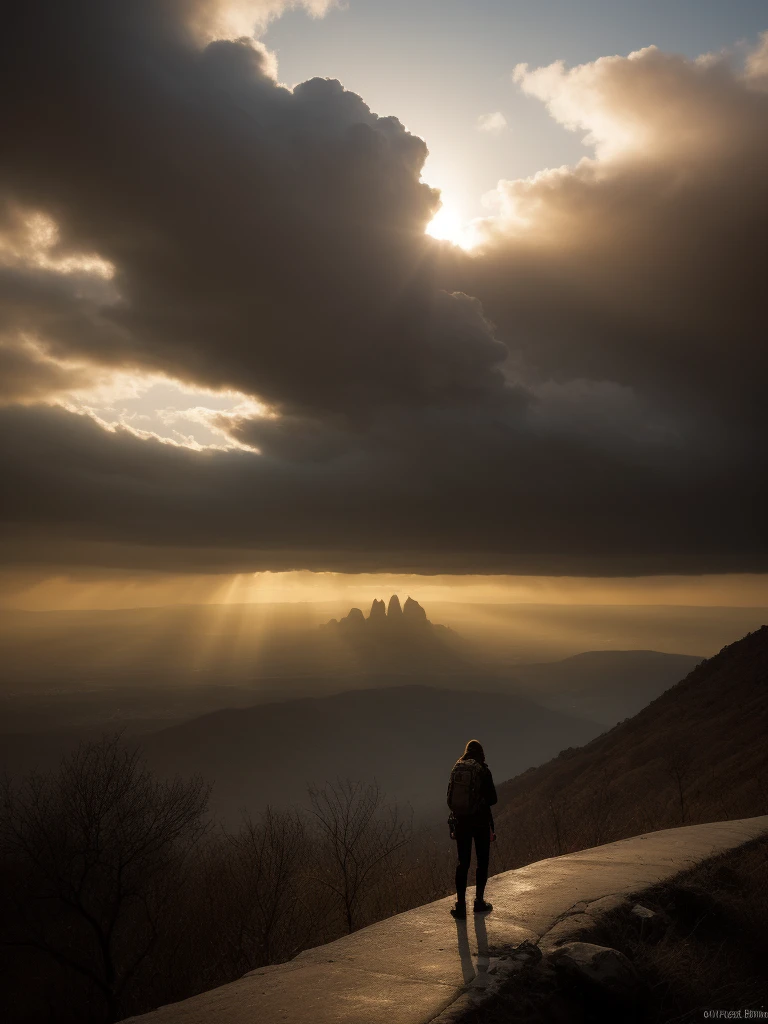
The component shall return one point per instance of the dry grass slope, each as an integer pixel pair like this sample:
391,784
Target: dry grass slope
697,753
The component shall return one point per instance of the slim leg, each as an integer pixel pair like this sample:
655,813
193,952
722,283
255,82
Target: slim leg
464,851
482,837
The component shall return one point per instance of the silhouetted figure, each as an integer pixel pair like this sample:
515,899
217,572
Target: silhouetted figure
471,794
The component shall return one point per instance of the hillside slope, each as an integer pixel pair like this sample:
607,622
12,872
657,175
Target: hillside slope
697,753
406,737
602,686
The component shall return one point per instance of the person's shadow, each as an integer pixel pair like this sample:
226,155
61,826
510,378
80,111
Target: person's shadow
483,953
465,953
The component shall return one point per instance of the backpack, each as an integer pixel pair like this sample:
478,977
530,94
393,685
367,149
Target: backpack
465,790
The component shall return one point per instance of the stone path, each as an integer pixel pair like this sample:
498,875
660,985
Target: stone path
409,968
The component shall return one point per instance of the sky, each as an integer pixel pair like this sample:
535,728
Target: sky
41,589
240,334
442,65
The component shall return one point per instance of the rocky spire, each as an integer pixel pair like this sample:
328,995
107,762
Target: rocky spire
413,612
390,623
354,620
378,612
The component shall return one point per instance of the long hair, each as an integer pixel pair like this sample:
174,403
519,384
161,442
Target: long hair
473,751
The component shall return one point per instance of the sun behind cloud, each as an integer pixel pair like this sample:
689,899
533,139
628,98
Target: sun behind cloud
447,226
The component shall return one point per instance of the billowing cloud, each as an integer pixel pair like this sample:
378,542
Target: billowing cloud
264,239
48,296
582,394
641,265
231,19
492,124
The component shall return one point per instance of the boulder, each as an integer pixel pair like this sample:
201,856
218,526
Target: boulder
652,925
643,912
568,929
526,952
603,973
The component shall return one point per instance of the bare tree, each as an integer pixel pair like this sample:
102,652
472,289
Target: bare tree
96,850
758,778
677,764
556,808
276,909
599,806
359,832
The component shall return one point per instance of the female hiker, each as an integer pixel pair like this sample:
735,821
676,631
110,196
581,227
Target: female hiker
471,794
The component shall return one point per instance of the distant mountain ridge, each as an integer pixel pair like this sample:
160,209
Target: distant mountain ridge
406,737
602,686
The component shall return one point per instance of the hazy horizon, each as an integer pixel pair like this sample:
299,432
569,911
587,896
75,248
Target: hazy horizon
103,588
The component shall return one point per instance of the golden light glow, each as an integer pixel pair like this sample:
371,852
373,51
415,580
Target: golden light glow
36,245
102,590
155,407
448,226
248,625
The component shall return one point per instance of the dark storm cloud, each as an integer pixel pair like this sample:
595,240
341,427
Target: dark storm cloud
44,314
532,503
26,376
272,241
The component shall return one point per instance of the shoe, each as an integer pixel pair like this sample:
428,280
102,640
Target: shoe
459,911
481,907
